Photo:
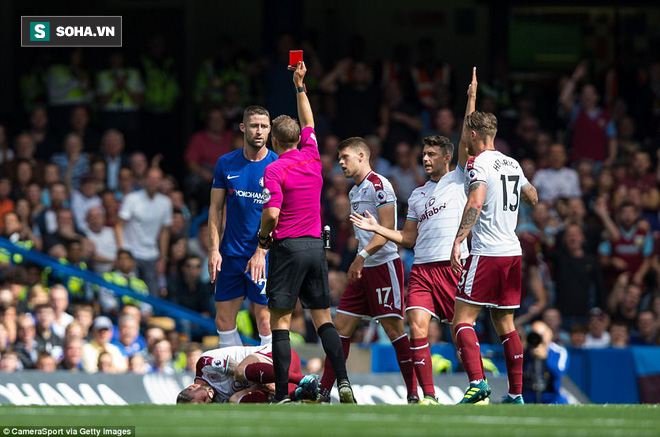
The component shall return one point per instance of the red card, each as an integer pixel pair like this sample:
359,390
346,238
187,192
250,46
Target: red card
295,56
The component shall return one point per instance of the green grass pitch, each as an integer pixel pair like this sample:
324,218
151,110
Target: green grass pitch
348,420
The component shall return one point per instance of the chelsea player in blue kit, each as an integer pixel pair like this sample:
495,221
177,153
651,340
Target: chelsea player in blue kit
234,218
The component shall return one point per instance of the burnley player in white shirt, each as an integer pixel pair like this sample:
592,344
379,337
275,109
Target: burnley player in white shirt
434,213
375,288
492,273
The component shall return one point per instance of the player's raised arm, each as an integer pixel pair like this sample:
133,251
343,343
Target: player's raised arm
471,103
305,114
405,237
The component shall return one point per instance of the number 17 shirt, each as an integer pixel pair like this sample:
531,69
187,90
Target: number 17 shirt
494,234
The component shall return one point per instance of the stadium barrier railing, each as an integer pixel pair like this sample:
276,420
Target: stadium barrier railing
160,305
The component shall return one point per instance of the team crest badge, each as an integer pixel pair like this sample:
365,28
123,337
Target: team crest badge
261,182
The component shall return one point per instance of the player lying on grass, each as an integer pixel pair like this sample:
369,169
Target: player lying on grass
242,374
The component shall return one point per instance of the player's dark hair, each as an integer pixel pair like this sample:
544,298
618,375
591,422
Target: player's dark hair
443,142
286,131
483,123
184,397
357,143
255,110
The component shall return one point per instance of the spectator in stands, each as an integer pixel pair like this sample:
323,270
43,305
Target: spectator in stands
640,176
379,164
120,93
126,183
6,204
358,98
575,213
129,336
138,365
204,149
124,275
444,124
73,162
112,149
557,180
111,208
525,138
104,239
45,362
101,336
593,132
598,335
193,352
73,353
629,245
578,335
188,289
84,199
74,330
79,120
139,164
625,306
46,338
578,277
104,364
9,361
152,335
84,315
23,176
162,358
399,120
619,334
59,301
406,174
26,343
646,332
552,318
43,138
143,229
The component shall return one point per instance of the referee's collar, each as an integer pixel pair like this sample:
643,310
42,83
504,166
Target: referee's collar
288,152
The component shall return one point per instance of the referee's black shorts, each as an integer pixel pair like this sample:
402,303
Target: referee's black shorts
297,267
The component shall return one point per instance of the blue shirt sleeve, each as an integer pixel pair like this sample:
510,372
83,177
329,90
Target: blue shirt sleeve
605,248
610,130
647,249
219,175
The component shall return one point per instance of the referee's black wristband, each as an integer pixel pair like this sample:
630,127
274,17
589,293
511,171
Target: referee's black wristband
264,242
301,89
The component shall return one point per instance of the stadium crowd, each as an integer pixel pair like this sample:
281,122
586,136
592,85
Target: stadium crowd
85,167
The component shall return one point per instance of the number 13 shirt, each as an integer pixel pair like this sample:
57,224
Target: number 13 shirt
494,233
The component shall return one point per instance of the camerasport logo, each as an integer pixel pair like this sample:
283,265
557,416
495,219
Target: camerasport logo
61,31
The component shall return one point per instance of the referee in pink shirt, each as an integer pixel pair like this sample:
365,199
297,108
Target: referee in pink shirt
291,228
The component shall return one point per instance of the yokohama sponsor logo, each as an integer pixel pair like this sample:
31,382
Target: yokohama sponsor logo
257,197
430,212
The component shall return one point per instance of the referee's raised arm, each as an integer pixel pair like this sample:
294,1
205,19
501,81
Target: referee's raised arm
291,232
304,108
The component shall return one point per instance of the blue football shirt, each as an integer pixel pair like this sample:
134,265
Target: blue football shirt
244,181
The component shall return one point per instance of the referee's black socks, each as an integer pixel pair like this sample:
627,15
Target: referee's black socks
282,362
333,349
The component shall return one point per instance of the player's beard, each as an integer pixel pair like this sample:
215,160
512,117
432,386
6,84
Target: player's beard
250,142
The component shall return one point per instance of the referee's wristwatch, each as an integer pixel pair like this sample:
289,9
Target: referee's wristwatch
264,242
301,89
